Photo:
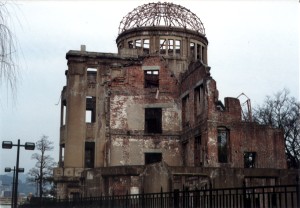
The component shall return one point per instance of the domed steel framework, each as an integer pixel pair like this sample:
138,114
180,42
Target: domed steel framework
161,14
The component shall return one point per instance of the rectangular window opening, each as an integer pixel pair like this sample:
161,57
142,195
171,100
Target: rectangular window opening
90,111
203,53
163,46
151,79
88,116
130,44
146,43
198,52
91,77
199,100
62,155
170,47
138,43
177,47
249,159
64,112
91,71
152,158
89,153
192,50
146,46
153,120
185,153
222,145
197,151
185,111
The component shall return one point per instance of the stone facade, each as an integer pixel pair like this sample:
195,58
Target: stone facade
149,117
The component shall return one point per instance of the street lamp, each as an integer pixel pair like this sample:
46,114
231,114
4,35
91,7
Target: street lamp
9,145
21,170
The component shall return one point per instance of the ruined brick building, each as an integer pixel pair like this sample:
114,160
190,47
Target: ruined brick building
150,117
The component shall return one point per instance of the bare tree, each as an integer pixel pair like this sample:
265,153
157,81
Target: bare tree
282,111
8,55
42,172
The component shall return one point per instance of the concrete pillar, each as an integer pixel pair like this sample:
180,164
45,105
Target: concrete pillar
205,55
75,121
101,127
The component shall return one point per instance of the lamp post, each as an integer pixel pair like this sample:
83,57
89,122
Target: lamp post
9,145
21,170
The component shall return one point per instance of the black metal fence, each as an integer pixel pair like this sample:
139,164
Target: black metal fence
249,197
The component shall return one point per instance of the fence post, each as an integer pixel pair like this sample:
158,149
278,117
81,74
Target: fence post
176,198
183,197
90,199
161,197
196,198
245,200
210,197
143,199
126,200
297,191
112,200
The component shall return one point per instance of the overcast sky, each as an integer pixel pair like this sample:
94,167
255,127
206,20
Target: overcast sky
253,48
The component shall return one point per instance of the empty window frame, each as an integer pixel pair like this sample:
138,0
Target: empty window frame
199,100
130,44
146,46
170,47
152,158
138,43
153,120
163,46
199,57
220,106
197,51
192,50
197,151
151,78
91,71
63,113
89,155
91,76
61,155
185,111
90,110
75,195
223,135
185,153
203,54
249,159
177,47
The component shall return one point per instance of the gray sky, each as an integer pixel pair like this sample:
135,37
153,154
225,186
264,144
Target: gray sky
253,48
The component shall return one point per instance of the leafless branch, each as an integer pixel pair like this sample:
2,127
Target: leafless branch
283,111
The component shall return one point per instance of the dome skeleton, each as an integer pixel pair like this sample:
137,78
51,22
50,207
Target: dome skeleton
161,14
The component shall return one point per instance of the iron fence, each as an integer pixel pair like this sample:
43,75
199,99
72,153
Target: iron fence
286,196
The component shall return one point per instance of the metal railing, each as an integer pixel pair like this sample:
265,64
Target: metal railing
248,197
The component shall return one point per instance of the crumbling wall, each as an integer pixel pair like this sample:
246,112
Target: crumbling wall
263,143
152,178
129,140
130,150
156,177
